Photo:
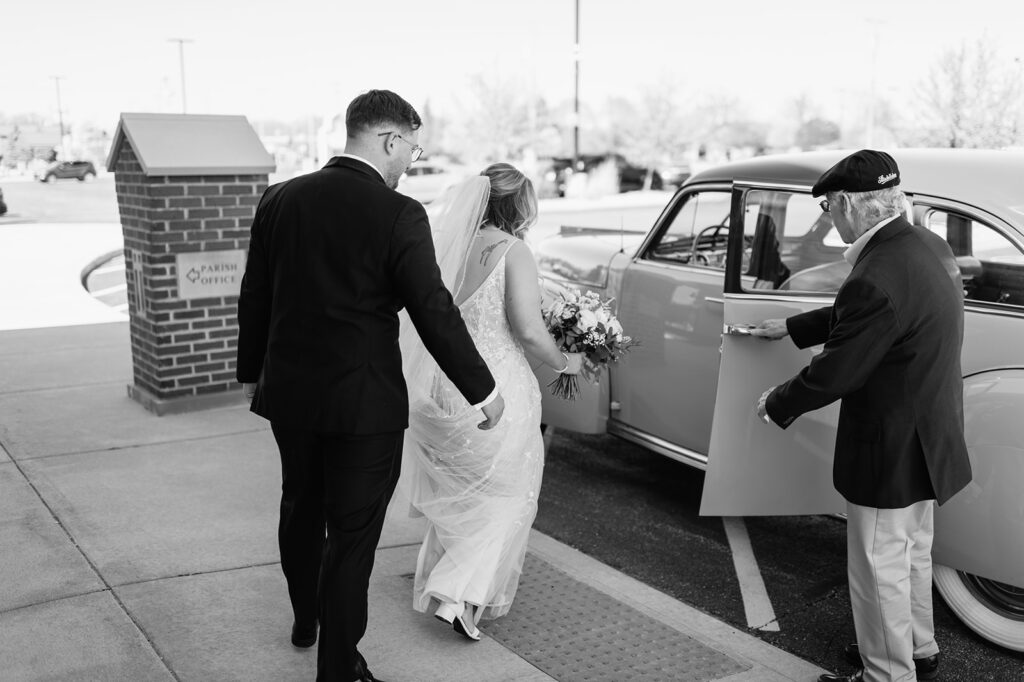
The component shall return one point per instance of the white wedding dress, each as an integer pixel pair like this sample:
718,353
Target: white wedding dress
477,489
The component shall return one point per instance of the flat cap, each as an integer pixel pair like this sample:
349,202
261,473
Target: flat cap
863,171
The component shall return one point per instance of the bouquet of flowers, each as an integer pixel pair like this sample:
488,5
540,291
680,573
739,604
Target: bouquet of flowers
583,323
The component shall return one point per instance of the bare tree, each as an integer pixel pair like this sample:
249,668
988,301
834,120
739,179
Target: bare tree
432,133
973,99
803,108
721,122
499,120
816,133
650,132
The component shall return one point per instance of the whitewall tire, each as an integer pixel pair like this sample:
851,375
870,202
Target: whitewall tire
999,619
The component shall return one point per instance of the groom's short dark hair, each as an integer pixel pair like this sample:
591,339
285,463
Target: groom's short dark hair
379,108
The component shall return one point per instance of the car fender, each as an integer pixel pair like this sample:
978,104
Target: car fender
583,257
586,262
588,413
981,529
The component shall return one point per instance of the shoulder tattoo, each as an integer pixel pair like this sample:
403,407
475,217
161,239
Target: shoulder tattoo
489,250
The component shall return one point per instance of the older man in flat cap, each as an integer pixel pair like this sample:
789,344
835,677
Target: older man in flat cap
892,355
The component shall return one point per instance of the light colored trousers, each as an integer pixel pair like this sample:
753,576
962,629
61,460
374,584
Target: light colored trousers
889,561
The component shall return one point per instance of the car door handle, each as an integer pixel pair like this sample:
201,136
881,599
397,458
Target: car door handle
738,329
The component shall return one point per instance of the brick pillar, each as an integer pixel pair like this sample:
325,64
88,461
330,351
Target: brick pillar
185,240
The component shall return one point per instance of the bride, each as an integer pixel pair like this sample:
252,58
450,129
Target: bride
478,489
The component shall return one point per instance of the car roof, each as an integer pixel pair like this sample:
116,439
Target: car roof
987,179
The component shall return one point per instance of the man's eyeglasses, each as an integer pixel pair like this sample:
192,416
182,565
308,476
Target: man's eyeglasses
417,151
824,205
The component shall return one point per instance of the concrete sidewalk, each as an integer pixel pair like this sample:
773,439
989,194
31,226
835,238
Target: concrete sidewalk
137,547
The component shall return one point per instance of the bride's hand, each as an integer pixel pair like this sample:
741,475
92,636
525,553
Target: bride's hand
574,363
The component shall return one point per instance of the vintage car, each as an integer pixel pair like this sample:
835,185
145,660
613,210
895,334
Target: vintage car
746,242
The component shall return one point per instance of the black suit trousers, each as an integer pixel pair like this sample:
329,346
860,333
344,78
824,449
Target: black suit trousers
339,485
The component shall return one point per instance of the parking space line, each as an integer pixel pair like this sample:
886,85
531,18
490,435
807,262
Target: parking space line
756,604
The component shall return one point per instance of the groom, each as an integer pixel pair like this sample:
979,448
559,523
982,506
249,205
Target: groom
333,257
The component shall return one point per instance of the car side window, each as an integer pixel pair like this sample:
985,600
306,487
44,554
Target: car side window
790,244
698,232
991,265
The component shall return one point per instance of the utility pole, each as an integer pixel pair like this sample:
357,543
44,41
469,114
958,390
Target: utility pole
60,116
576,95
181,64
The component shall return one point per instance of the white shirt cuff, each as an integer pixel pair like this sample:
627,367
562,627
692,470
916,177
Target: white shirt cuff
488,400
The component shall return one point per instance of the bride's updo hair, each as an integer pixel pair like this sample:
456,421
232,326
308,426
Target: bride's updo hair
512,206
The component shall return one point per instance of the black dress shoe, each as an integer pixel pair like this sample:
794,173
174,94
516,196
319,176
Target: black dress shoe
304,634
855,677
927,668
363,673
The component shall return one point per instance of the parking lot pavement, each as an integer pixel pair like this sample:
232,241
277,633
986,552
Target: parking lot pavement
41,270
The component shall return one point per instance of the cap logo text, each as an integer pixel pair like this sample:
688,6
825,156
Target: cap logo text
882,179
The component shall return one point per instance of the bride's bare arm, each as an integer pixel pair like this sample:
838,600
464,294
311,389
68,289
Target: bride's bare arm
522,304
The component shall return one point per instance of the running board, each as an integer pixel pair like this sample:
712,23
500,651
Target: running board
658,445
670,450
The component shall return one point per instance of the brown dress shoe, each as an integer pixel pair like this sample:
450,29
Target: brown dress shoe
927,668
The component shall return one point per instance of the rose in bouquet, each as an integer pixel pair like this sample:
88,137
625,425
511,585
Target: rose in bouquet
583,323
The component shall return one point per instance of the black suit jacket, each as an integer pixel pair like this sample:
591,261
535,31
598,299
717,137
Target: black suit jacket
892,354
333,257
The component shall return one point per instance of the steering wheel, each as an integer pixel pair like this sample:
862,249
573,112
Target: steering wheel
714,230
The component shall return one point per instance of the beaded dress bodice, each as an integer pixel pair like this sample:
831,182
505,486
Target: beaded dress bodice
484,314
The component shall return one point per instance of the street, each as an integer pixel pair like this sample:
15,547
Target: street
61,201
637,511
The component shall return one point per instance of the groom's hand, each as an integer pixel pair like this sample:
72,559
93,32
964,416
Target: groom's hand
248,391
492,411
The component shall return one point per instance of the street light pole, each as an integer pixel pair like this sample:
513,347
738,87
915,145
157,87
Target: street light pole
181,64
576,95
60,115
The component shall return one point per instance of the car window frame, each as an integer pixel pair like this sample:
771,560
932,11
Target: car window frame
923,203
668,216
734,260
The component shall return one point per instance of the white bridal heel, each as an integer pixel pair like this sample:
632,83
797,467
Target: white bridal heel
445,612
466,628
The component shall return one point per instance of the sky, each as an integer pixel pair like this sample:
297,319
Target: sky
289,59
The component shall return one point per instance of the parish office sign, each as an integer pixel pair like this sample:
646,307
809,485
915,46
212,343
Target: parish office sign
208,274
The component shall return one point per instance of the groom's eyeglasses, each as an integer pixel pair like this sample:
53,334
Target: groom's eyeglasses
417,151
824,205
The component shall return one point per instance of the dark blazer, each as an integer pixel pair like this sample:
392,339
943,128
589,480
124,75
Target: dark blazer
892,354
333,257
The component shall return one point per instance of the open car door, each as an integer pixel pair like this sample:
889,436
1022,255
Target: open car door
757,469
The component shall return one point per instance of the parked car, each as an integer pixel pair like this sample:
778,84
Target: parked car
674,176
630,176
744,242
3,204
426,181
59,170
